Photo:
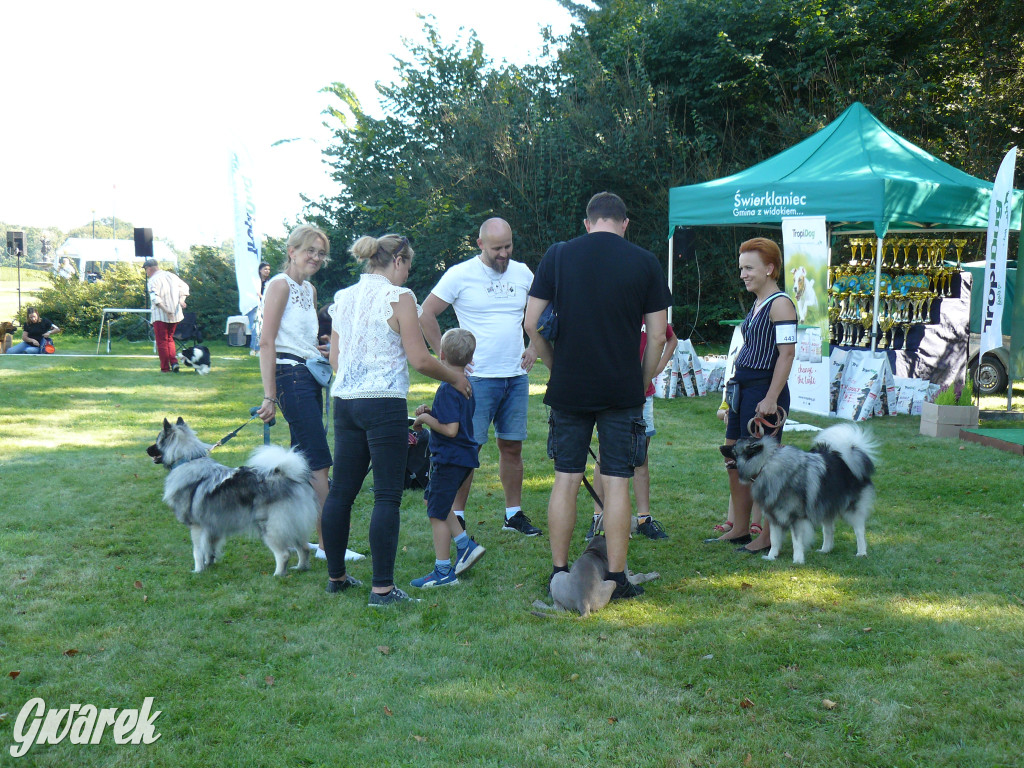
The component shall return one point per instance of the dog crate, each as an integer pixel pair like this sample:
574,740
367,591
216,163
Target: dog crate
237,330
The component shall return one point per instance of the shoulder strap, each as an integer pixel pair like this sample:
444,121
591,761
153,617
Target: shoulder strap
558,252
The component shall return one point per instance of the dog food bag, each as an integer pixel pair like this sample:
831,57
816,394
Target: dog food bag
813,337
905,389
713,368
661,382
685,373
673,386
837,366
872,376
696,369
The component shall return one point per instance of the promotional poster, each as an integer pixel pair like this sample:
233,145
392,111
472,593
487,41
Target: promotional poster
805,261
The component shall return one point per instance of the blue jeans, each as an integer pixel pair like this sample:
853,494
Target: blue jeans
302,403
366,430
621,435
503,401
24,348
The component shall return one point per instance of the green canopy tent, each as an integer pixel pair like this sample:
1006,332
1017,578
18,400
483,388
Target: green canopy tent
855,172
858,174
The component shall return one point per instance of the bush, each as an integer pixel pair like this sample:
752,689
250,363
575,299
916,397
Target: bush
76,306
213,296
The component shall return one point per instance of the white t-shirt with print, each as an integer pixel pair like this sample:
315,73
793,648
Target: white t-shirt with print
490,305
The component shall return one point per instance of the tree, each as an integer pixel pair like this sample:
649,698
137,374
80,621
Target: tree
213,287
645,95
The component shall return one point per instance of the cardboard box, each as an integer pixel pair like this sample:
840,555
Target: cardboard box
947,420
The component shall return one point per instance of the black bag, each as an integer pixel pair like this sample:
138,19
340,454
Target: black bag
417,462
547,323
732,395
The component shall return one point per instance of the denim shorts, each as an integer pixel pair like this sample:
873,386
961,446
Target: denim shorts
503,401
621,436
301,401
751,393
649,415
445,481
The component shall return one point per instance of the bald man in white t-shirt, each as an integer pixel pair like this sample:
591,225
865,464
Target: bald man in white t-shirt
488,293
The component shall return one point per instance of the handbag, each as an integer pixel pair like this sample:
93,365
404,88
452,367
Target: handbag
48,347
732,395
321,370
547,323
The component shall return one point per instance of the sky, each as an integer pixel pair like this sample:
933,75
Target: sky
133,113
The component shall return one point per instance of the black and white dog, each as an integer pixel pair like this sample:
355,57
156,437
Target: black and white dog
798,490
197,357
271,496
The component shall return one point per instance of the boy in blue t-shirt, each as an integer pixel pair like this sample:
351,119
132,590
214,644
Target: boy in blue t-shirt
453,455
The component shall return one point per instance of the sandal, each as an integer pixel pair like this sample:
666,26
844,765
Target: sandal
755,530
723,527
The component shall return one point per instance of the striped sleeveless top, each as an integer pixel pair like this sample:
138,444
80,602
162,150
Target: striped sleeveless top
759,351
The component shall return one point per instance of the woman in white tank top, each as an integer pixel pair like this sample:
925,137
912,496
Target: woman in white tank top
288,338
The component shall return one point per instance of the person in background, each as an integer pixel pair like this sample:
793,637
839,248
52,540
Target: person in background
377,319
167,295
646,524
288,339
37,331
256,313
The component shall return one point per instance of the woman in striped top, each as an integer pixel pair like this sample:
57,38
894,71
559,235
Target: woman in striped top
762,369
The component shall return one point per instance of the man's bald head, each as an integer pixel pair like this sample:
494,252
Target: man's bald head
495,243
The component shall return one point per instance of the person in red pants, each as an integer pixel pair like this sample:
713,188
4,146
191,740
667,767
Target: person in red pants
167,295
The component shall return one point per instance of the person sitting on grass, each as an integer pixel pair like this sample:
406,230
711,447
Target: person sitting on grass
453,455
37,332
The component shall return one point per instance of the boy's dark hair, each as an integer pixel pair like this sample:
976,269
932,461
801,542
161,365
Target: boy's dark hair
458,346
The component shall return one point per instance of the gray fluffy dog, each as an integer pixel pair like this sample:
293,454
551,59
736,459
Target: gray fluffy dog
584,589
798,490
271,496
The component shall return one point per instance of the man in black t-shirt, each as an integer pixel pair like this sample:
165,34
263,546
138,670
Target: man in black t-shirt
607,287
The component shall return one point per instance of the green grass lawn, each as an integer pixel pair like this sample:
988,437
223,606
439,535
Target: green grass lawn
913,656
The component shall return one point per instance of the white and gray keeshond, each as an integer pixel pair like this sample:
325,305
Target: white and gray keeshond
271,496
798,490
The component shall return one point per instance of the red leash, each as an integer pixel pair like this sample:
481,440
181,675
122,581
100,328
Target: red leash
757,425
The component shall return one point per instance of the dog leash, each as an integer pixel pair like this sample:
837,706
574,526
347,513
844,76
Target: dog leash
252,417
757,425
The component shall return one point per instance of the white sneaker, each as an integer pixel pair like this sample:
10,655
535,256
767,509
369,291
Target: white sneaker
319,554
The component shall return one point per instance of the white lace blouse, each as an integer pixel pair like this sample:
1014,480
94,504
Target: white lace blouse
299,326
371,359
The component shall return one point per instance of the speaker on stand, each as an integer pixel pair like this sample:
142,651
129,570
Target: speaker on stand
16,247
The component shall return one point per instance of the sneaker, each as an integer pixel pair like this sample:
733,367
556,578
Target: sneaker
394,597
591,531
318,553
521,523
627,591
462,521
652,529
435,579
464,558
341,586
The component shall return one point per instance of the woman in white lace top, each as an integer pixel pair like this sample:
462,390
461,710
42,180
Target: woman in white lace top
375,336
287,340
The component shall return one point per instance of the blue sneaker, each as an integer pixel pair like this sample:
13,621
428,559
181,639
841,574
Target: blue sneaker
464,558
436,579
